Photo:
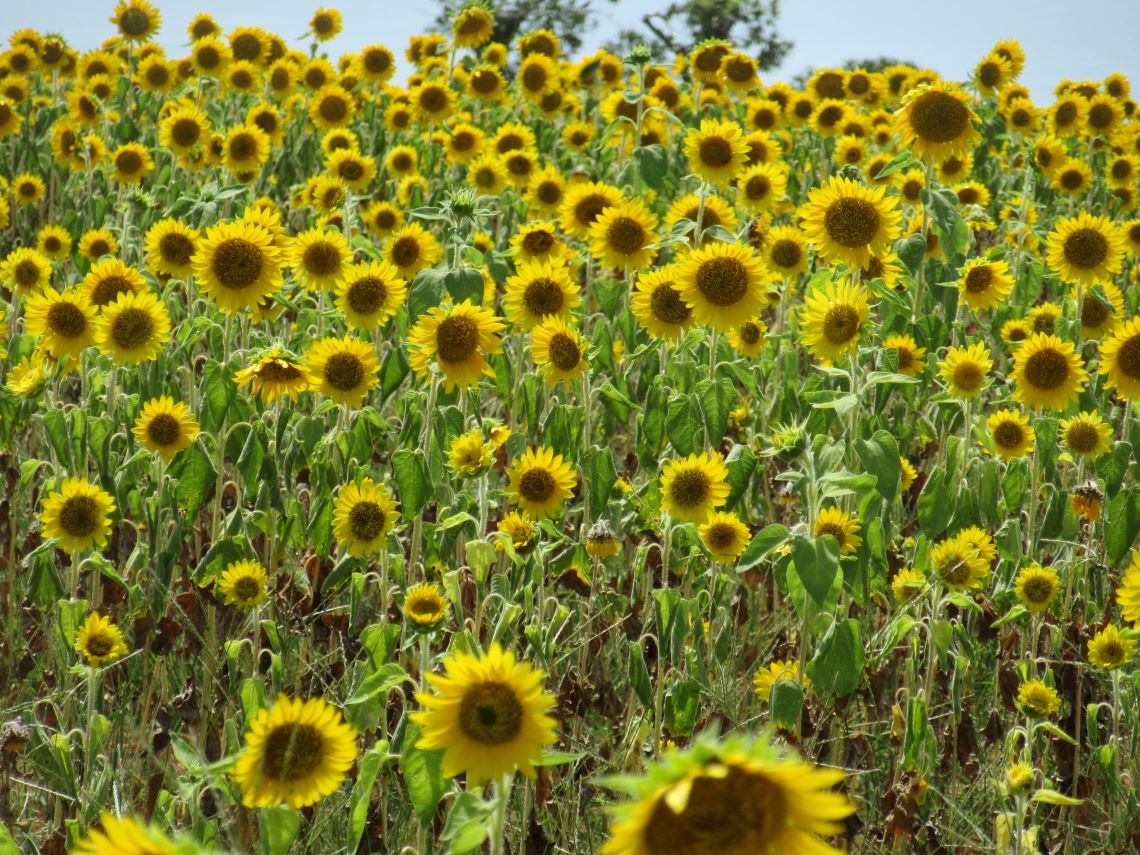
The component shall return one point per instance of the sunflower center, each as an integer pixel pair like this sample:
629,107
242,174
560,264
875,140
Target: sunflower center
978,279
292,751
667,305
1038,589
955,570
989,75
536,485
723,281
1072,179
433,99
538,242
1009,434
376,61
98,248
402,162
366,295
1047,369
79,516
1066,114
543,297
490,713
715,151
344,371
237,263
209,58
333,109
366,520
1111,651
134,22
840,324
242,147
176,248
829,115
758,187
132,328
185,132
625,235
739,71
406,251
721,536
1128,357
1101,116
66,320
108,289
279,79
564,352
969,196
906,358
1094,313
164,429
967,376
1121,169
26,273
157,75
786,253
456,339
851,222
423,607
740,813
278,371
321,259
939,117
589,208
247,588
534,77
485,81
1086,249
385,219
1082,437
690,488
835,529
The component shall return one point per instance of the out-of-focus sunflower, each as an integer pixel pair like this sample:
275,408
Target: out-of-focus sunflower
96,243
125,836
138,21
1120,360
583,204
958,564
772,673
910,355
243,584
274,376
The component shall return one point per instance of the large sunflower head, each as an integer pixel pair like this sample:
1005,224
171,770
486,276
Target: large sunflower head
78,515
238,265
296,753
455,340
1012,434
935,121
331,106
583,204
540,481
133,328
488,713
424,607
66,321
165,426
540,290
732,797
1086,435
622,235
1047,373
1085,249
343,369
658,305
716,151
411,249
958,564
26,269
849,222
108,280
832,319
1120,360
722,283
1037,587
965,368
694,486
559,351
786,252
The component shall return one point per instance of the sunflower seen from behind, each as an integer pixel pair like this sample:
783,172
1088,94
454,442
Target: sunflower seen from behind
363,515
540,481
455,340
296,753
488,714
343,369
165,426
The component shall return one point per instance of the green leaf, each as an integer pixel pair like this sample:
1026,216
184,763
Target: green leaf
423,775
193,474
1122,522
761,545
370,763
381,681
467,823
279,827
1052,797
817,561
912,251
682,705
837,666
55,423
412,480
935,505
683,424
426,292
464,283
72,613
880,457
717,399
7,843
601,473
553,757
639,676
393,372
741,463
652,164
218,394
903,160
786,704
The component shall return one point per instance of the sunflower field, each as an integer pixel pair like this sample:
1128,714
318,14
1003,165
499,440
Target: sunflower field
492,450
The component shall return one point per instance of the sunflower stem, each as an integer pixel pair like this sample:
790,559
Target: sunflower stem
498,818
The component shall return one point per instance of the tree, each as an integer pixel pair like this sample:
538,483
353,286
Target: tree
750,25
570,20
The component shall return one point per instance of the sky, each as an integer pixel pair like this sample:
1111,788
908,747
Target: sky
1084,40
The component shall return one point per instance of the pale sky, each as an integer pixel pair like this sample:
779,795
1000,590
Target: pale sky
1076,39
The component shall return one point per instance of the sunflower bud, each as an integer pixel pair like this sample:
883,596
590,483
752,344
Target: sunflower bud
639,55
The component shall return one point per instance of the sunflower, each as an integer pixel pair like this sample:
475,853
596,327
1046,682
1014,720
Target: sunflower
238,265
621,236
540,481
959,564
722,283
519,527
583,204
28,189
66,321
382,218
424,607
26,269
714,212
965,368
693,487
275,375
748,338
907,584
537,75
907,474
842,526
1101,310
1038,699
538,241
733,797
369,293
1012,434
658,305
295,753
786,252
125,836
184,128
432,102
1085,249
133,328
137,20
456,338
320,258
326,24
725,536
832,319
1109,650
331,107
716,151
488,713
165,426
211,55
540,290
1037,587
545,192
1120,360
910,355
78,515
935,121
363,514
984,283
96,243
343,369
1086,435
772,673
243,584
411,249
170,246
1048,373
559,351
470,454
100,641
849,222
110,279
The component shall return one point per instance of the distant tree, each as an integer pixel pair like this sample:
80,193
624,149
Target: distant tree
570,20
749,25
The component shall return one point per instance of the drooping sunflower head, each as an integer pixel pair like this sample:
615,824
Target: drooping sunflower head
100,641
363,515
725,536
721,283
848,222
243,584
343,369
694,486
1120,360
1012,434
1085,249
935,121
275,375
1048,373
602,541
832,319
425,607
965,368
1037,587
540,481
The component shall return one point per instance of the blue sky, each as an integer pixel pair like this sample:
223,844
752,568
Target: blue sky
1063,38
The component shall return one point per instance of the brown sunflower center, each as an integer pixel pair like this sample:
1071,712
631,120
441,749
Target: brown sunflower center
969,196
66,320
157,75
176,248
565,352
246,46
344,371
538,242
237,263
1094,313
490,713
835,529
722,281
939,117
376,61
967,376
1128,357
321,258
163,429
1009,434
750,333
292,751
79,516
840,323
954,570
978,279
715,151
366,295
1082,437
690,488
1072,179
384,219
185,132
52,244
98,248
786,253
625,236
830,115
1086,248
26,273
108,289
134,21
433,99
590,207
99,644
721,536
534,77
366,520
242,147
739,70
989,75
1047,369
333,108
132,328
543,297
247,588
405,251
1038,589
423,606
485,81
906,357
1101,116
536,485
667,305
758,187
1066,114
278,371
209,57
851,222
456,339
